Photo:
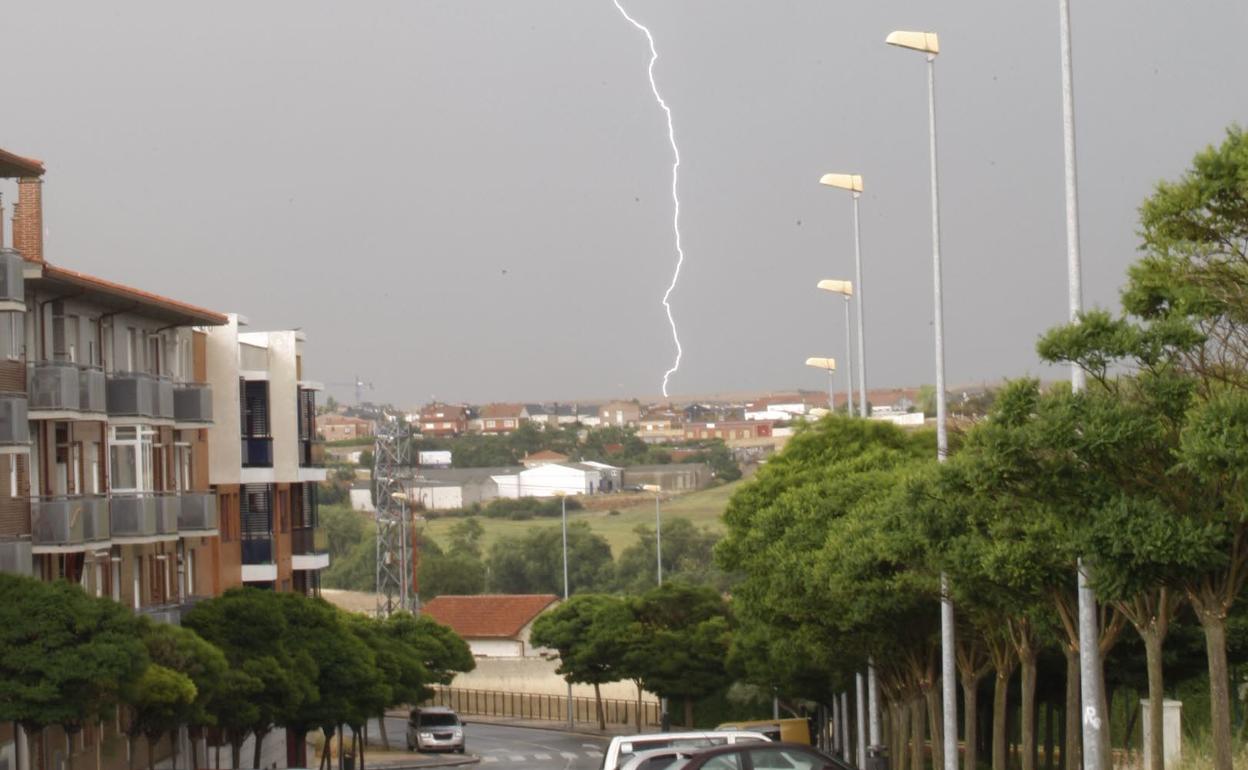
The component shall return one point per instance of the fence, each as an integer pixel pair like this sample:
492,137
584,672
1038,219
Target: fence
518,705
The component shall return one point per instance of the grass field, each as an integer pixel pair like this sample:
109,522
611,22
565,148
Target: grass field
703,508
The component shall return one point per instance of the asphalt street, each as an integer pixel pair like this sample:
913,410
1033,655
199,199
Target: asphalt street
519,747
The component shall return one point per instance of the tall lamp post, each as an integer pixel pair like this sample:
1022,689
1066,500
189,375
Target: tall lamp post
928,44
664,717
563,514
845,289
853,183
828,365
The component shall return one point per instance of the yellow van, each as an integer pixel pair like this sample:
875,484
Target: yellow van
792,730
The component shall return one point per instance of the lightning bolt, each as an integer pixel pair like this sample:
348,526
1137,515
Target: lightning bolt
671,136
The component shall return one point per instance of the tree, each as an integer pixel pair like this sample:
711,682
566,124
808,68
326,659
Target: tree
590,634
158,701
466,537
533,562
344,530
439,649
250,628
65,657
182,655
679,643
688,555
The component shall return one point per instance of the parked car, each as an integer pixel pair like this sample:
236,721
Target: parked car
773,756
795,730
434,728
623,747
671,758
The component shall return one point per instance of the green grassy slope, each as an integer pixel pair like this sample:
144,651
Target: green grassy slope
703,508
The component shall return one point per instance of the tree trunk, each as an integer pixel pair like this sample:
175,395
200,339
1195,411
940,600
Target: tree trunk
1213,621
236,753
935,716
689,712
1072,750
325,749
1048,735
639,707
1027,657
381,728
970,707
131,742
1156,697
151,752
602,715
1001,691
918,734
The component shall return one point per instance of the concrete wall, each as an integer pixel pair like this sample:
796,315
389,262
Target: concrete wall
534,675
225,456
496,648
677,477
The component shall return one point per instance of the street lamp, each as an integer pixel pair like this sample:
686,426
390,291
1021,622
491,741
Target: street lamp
846,289
853,183
563,513
829,365
928,44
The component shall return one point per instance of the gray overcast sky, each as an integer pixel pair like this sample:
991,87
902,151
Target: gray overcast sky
469,199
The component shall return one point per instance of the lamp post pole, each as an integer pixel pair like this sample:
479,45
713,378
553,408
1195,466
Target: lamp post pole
563,512
862,345
849,354
928,43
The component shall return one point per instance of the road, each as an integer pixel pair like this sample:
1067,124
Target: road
519,747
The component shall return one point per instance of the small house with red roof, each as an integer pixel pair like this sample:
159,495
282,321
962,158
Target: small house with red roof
493,625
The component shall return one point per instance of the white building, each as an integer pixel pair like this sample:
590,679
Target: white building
550,480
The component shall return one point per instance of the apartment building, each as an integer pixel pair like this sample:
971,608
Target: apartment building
266,465
103,414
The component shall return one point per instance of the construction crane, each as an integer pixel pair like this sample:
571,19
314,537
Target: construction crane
359,385
397,552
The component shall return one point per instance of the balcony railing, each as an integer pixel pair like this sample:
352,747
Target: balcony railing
257,550
15,557
169,614
168,509
311,454
138,394
14,429
69,520
308,540
54,385
192,402
136,515
92,390
257,452
12,283
197,513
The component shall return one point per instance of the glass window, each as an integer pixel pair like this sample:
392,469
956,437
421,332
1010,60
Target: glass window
130,459
11,337
723,762
124,471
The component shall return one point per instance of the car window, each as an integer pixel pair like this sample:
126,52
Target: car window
438,720
723,762
784,759
660,763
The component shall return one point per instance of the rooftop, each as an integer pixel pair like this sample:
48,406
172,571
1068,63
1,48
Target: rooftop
488,615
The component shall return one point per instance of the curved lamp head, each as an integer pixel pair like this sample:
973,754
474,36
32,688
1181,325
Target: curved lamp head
822,363
851,182
927,42
837,287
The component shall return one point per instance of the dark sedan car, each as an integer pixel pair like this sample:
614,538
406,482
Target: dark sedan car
764,756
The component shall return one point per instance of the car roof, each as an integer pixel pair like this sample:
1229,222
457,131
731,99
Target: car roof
434,710
687,734
715,751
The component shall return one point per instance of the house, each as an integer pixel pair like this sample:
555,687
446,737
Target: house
493,625
536,414
729,431
620,413
499,419
443,420
660,427
339,427
564,414
589,415
453,488
610,477
544,457
673,477
550,480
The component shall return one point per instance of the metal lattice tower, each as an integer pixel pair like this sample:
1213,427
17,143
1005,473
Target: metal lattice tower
391,465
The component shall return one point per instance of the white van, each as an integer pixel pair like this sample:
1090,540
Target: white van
623,747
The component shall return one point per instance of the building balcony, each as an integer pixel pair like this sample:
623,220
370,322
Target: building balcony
53,386
142,516
257,451
309,548
12,283
14,429
137,394
311,454
257,550
169,614
16,557
197,513
168,511
68,522
92,389
192,402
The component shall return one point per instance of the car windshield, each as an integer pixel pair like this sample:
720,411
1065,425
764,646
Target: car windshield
438,720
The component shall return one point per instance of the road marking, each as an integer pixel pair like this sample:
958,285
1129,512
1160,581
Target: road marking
487,760
589,746
568,755
541,756
516,757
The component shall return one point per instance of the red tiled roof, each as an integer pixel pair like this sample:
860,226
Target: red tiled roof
501,410
182,312
16,166
489,615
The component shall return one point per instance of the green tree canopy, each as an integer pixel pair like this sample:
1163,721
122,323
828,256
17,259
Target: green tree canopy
532,563
590,633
